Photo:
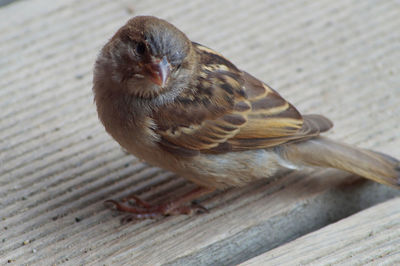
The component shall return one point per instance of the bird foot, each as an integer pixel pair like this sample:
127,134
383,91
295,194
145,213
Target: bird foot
143,210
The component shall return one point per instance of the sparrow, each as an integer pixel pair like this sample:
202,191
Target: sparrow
182,106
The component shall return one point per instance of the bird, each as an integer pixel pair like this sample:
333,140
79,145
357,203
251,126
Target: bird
184,107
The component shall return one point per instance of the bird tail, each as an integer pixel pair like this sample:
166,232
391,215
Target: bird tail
324,152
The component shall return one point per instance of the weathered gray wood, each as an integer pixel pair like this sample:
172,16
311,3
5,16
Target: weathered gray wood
57,165
368,237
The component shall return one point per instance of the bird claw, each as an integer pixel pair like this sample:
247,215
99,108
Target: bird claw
144,210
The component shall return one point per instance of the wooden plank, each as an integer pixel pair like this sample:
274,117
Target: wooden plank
57,165
370,237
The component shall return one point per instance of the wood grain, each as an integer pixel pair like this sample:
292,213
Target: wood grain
370,237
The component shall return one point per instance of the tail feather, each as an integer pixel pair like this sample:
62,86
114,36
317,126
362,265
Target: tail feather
324,152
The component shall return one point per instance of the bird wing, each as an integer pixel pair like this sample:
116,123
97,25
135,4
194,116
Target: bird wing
230,110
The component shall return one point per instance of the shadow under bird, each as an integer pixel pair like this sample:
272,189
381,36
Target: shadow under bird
183,107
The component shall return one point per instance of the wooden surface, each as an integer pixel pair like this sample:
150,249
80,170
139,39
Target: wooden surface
371,237
57,164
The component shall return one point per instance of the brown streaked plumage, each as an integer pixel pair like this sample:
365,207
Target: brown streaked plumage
184,107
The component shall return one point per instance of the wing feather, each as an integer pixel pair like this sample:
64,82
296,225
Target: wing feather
230,110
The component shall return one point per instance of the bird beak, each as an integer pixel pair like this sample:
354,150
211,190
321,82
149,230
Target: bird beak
159,70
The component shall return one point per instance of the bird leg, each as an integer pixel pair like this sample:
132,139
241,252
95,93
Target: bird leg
144,210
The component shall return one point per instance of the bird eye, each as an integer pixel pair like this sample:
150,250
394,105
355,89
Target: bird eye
140,48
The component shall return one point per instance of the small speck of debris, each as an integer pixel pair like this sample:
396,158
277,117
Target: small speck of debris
89,137
126,165
129,10
9,261
26,242
298,70
77,219
3,240
34,250
79,76
23,198
54,218
5,227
